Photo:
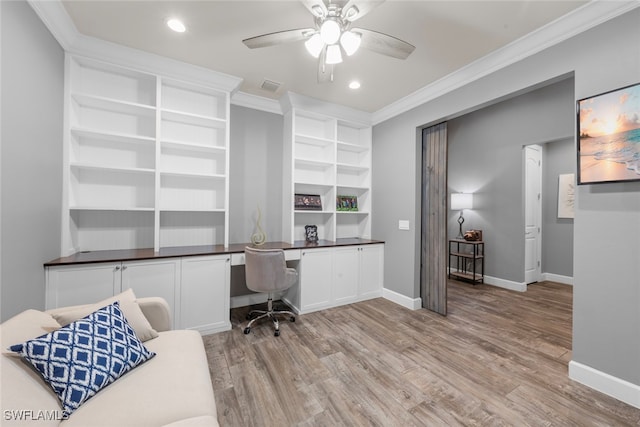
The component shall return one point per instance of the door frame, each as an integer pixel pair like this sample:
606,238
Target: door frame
536,199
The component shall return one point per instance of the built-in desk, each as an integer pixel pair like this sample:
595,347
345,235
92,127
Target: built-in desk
85,257
195,280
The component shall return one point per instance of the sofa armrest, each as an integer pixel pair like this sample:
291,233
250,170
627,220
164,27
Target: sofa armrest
157,312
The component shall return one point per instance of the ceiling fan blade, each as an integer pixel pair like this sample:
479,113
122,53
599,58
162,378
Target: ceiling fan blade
316,7
384,43
353,9
278,37
325,71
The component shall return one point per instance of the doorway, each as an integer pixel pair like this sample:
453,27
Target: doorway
532,213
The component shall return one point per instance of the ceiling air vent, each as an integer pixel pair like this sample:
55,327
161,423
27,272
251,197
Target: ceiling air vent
270,85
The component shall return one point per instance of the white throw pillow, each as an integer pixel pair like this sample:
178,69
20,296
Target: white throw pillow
129,306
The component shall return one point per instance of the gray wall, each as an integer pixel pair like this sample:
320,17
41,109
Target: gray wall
255,179
486,158
559,157
606,269
31,177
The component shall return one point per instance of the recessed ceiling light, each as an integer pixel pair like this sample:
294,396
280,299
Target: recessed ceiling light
354,85
176,25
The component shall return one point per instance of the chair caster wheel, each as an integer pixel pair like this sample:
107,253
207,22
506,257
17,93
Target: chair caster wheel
276,334
247,330
292,319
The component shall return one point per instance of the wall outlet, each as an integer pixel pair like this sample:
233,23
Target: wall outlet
403,224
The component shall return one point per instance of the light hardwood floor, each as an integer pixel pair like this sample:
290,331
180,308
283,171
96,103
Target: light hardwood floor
498,359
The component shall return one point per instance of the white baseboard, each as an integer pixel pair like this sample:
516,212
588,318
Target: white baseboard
506,284
251,299
615,387
405,301
567,280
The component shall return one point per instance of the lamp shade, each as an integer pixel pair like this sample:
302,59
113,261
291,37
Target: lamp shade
314,45
460,201
333,54
350,42
330,31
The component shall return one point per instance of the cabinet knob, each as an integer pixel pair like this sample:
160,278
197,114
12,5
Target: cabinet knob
117,268
124,267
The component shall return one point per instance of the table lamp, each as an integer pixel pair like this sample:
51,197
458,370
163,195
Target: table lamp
461,201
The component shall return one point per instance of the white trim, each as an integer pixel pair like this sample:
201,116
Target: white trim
252,299
567,280
293,100
209,329
56,19
617,388
405,301
243,99
588,16
506,284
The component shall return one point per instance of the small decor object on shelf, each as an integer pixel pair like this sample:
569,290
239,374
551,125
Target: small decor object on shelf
311,233
346,203
259,237
473,235
307,202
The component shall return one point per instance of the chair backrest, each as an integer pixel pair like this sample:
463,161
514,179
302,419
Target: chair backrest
265,270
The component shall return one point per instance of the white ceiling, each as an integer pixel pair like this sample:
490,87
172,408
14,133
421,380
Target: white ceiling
447,34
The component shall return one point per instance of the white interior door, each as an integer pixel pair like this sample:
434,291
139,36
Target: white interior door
533,213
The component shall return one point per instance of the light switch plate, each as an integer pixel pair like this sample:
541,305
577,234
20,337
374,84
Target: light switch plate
403,224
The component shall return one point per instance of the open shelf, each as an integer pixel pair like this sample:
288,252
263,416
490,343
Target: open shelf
329,156
141,147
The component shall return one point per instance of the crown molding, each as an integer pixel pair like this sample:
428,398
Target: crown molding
243,99
582,19
56,19
293,100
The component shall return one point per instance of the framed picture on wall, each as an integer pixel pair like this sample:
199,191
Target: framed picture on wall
608,131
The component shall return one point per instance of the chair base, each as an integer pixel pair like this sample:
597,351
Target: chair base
271,314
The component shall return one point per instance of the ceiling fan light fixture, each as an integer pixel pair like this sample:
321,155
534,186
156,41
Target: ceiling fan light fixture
330,31
314,45
350,42
334,56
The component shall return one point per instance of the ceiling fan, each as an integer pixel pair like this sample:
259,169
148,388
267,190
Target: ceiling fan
333,34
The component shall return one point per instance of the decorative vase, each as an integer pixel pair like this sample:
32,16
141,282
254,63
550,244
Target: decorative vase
259,237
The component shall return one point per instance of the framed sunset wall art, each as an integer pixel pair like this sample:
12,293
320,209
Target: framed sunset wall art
609,136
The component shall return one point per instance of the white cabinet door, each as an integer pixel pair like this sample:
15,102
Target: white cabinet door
315,279
346,273
371,271
81,284
204,298
159,278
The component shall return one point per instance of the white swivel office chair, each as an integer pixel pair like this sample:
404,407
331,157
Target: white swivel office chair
266,271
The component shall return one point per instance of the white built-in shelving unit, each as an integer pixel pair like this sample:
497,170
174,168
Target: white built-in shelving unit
330,157
146,160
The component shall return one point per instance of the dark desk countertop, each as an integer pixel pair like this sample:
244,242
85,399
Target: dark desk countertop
85,257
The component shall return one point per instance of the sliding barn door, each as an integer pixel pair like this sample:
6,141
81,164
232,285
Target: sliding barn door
433,266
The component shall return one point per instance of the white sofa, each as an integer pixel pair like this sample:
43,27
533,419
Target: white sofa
172,389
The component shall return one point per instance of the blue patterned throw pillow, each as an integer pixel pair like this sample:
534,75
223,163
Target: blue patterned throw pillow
80,359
